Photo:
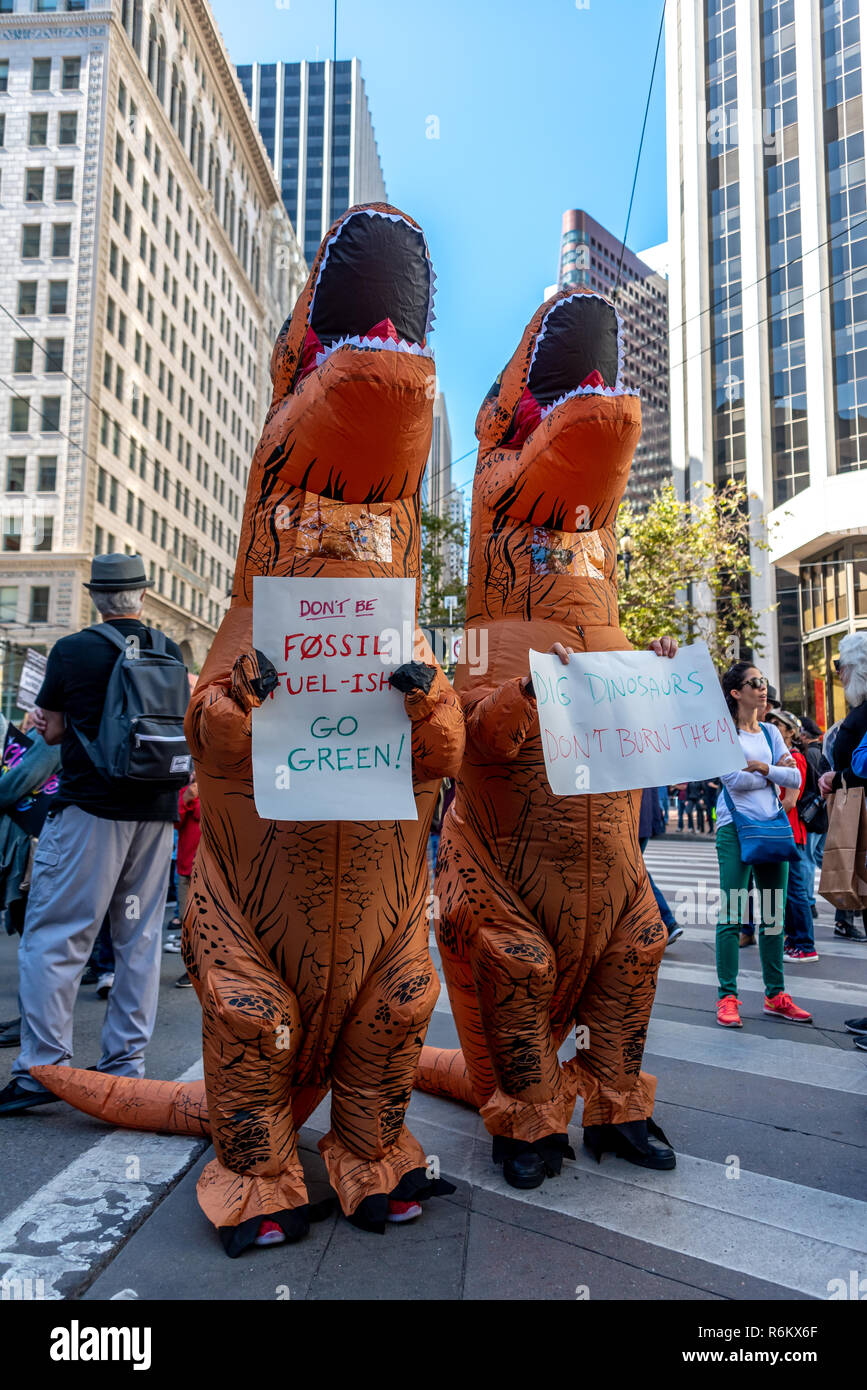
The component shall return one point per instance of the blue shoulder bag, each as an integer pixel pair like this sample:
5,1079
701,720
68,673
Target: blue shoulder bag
763,841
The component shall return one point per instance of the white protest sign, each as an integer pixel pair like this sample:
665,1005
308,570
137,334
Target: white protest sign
333,742
31,678
611,721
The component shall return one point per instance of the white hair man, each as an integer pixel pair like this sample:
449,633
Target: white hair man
105,849
851,666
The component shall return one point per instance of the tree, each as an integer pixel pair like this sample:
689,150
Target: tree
689,570
437,532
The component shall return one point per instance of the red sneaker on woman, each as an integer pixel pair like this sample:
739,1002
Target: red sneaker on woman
727,1015
269,1234
782,1006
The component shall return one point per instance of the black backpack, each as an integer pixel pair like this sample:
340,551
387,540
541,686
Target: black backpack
141,731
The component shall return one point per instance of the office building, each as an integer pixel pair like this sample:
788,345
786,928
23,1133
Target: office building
148,265
768,293
590,256
315,121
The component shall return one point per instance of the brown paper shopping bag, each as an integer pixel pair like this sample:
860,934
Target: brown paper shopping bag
844,867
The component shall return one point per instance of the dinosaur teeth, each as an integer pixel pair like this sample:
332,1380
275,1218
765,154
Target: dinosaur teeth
373,345
583,391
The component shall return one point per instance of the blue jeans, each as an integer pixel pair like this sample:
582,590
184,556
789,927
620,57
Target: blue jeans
665,911
799,918
815,853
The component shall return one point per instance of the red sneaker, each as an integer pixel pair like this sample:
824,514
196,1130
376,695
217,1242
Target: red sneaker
402,1211
269,1234
782,1006
727,1015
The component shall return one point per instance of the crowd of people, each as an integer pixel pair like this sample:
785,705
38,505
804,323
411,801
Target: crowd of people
60,818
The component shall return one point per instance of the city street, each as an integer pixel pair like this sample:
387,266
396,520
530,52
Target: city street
767,1202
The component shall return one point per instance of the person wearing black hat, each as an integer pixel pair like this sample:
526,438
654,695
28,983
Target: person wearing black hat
105,848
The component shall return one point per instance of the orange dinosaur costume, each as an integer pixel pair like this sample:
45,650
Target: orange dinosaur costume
307,943
546,918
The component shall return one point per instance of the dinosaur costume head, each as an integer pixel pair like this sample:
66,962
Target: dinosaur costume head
335,479
556,437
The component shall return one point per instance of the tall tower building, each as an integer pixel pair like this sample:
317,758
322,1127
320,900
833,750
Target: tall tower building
148,265
589,256
768,285
316,125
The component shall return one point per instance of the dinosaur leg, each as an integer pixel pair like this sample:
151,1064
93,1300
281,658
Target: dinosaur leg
369,1153
514,969
251,1029
612,1015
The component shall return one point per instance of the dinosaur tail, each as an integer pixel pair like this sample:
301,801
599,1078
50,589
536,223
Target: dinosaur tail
163,1107
442,1071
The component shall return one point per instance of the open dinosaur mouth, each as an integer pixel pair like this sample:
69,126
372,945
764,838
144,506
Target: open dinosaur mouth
374,291
577,352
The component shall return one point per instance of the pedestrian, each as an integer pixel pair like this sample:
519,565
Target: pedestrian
664,794
28,781
107,840
650,822
811,806
752,795
851,667
710,790
799,944
189,832
684,806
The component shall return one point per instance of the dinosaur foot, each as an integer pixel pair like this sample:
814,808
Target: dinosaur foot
528,1165
638,1141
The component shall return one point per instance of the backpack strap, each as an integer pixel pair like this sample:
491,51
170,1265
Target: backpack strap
770,742
110,633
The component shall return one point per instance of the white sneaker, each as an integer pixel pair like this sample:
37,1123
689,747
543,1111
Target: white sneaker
173,946
104,984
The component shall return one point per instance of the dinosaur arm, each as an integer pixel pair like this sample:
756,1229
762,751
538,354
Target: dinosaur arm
437,730
219,720
499,720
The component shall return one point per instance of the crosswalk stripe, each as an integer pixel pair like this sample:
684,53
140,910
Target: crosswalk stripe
808,986
778,1059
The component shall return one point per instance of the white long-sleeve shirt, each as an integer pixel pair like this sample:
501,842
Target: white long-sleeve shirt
752,793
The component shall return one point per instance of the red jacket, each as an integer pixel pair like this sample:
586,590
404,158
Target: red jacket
799,829
189,833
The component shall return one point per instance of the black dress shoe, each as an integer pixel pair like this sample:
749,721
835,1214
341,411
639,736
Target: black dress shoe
528,1165
15,1097
638,1141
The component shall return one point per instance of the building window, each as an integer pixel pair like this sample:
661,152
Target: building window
19,415
57,293
67,130
43,532
23,355
4,74
46,474
39,596
54,354
61,239
40,80
50,414
12,533
16,473
38,129
27,296
64,185
34,185
71,79
31,237
8,603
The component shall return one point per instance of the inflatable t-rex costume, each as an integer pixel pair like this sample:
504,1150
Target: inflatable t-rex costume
546,918
307,943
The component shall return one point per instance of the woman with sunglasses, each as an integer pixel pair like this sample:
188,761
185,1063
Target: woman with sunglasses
768,765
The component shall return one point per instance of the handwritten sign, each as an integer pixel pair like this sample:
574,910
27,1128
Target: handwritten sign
333,742
611,721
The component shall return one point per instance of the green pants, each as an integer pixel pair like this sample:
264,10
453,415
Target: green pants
734,878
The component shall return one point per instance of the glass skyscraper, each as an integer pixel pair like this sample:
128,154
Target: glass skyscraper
768,304
316,126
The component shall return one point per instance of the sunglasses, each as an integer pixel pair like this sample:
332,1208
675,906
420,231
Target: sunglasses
757,683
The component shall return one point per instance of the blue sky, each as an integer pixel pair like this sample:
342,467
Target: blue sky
539,107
